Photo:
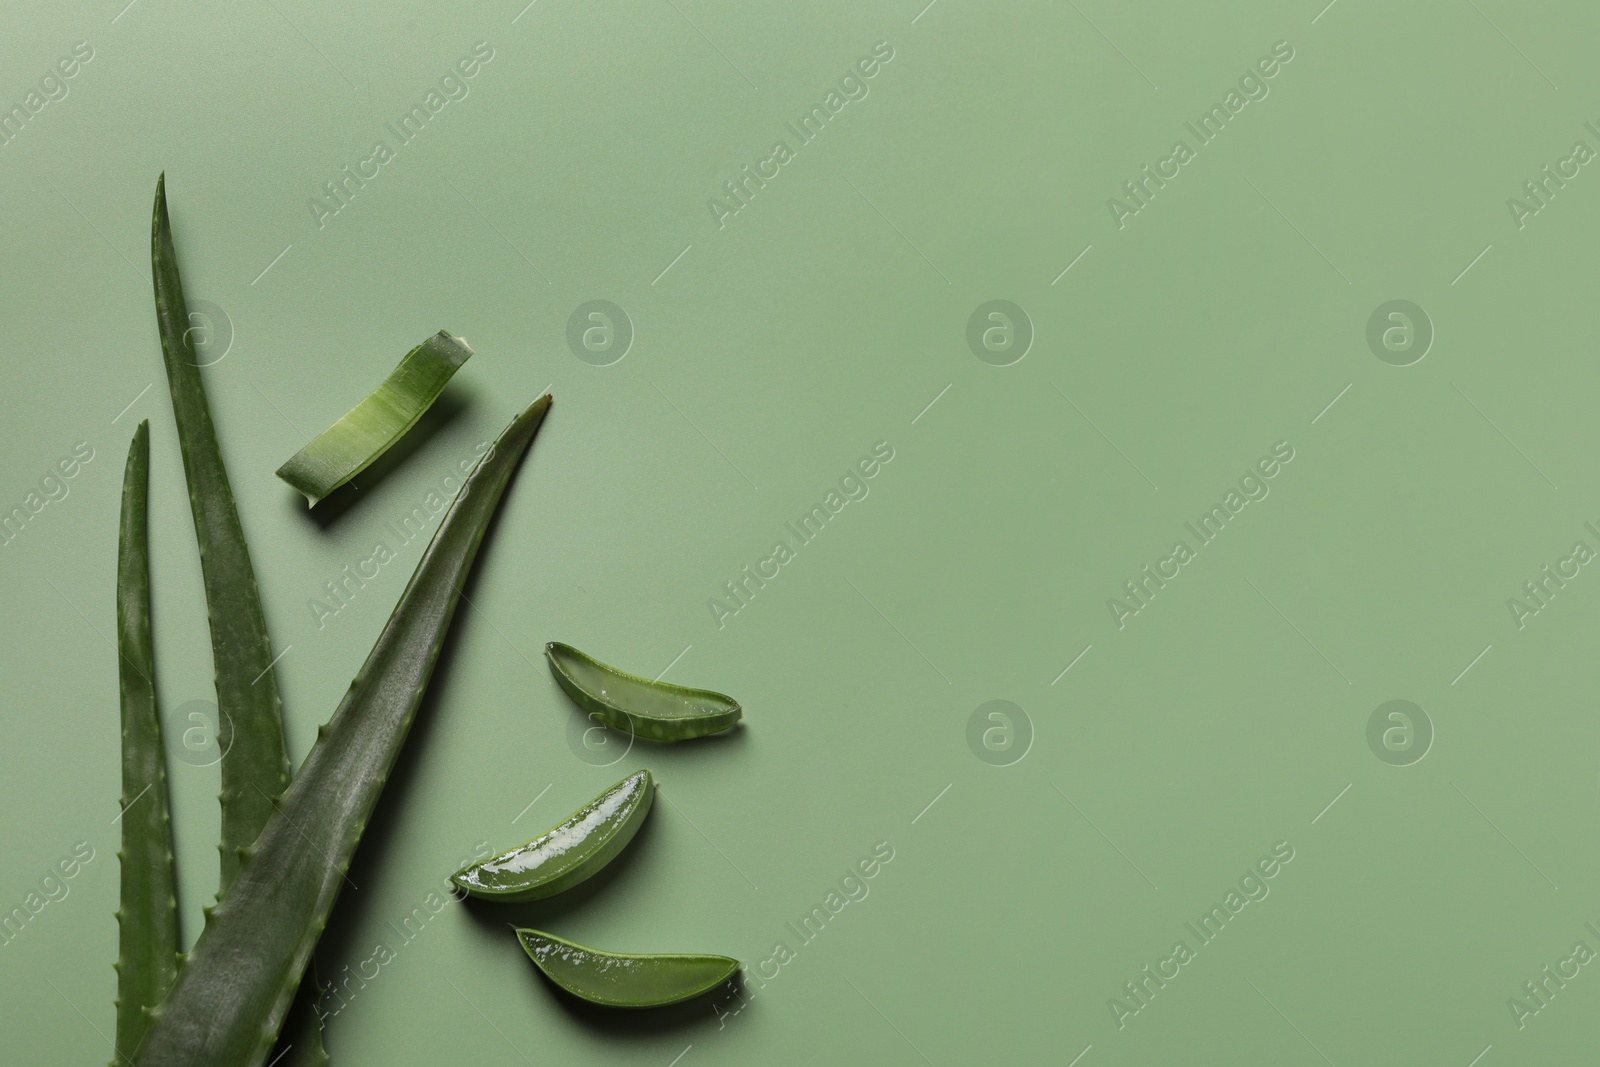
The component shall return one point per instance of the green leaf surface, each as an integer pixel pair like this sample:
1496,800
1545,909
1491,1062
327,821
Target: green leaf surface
567,854
255,768
230,999
366,431
654,710
147,918
621,980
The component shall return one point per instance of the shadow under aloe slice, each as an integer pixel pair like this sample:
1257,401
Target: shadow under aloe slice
619,980
565,855
656,711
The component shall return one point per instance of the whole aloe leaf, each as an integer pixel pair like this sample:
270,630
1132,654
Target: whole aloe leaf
255,767
147,918
231,997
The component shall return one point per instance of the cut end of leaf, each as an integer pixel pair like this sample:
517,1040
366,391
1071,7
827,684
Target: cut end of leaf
452,347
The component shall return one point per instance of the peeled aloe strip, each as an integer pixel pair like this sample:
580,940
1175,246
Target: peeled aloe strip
567,854
147,918
366,431
656,711
619,980
255,767
230,999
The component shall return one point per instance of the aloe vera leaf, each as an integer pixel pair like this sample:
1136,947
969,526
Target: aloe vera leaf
366,431
655,710
230,999
255,767
567,854
147,918
621,980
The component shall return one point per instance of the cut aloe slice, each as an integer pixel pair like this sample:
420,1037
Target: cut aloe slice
568,854
367,430
624,981
657,711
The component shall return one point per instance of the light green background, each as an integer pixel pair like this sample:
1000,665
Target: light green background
773,354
